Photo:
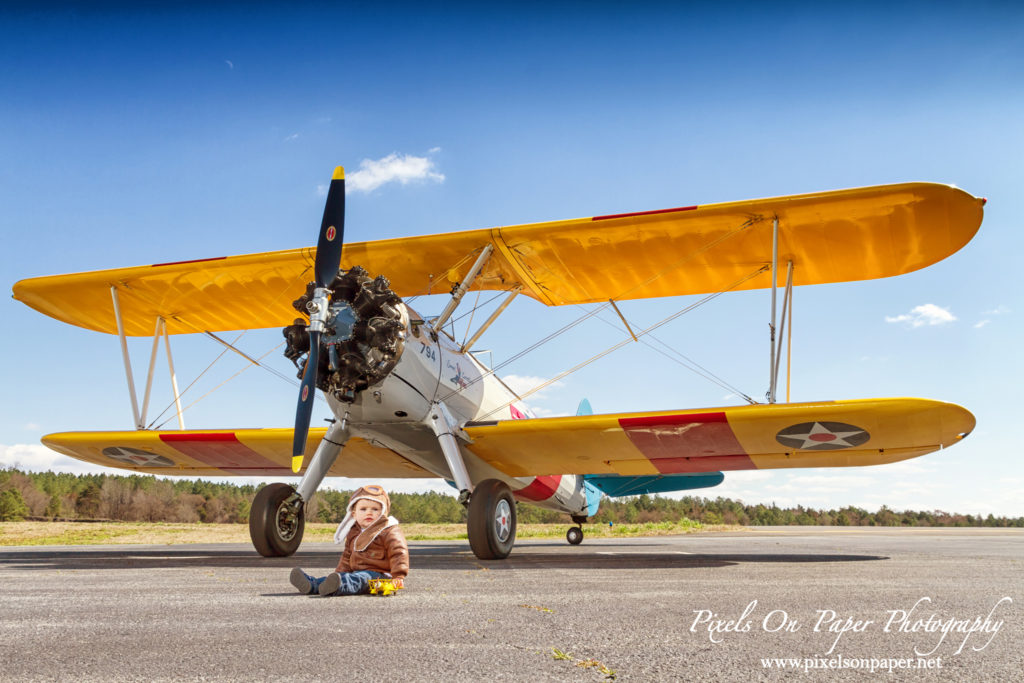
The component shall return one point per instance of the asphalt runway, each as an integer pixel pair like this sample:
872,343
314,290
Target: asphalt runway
708,606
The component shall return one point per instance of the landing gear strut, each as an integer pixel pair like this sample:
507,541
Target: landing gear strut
575,534
492,520
277,520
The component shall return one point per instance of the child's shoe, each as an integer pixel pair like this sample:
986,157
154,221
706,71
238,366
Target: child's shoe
301,581
331,584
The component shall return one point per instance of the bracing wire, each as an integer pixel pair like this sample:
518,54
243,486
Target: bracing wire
469,324
193,382
258,363
528,350
682,359
676,264
626,341
229,379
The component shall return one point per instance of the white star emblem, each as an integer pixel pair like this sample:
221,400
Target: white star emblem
137,457
502,520
822,436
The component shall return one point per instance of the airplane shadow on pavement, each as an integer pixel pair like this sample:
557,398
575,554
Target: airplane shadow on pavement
434,556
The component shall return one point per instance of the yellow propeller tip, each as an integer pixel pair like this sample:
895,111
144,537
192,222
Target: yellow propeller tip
296,463
339,173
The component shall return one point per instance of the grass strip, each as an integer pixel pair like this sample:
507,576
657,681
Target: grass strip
160,533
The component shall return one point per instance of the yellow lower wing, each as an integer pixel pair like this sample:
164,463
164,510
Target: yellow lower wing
242,452
826,434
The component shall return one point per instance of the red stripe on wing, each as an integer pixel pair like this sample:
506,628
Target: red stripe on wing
643,213
181,263
698,442
223,451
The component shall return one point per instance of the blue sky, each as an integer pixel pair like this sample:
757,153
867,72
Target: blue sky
133,135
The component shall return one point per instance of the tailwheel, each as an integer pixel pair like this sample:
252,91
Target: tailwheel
574,535
492,520
276,521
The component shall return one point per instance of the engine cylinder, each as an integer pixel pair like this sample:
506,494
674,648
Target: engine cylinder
364,338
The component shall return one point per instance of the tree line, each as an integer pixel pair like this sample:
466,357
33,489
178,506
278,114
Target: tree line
145,498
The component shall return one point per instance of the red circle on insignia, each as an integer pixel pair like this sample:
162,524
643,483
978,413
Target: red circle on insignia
305,392
331,232
822,437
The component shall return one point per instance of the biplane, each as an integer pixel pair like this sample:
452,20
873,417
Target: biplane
410,401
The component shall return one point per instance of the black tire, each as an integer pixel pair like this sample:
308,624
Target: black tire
574,535
492,520
272,533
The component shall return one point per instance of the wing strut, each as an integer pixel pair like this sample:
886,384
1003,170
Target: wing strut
174,377
127,360
771,324
775,345
490,320
463,287
159,330
787,307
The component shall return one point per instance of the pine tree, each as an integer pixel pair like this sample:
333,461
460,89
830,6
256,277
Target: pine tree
12,506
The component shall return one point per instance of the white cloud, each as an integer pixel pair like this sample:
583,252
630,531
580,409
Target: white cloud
911,467
922,491
748,476
321,190
925,314
403,169
540,411
805,491
838,481
524,383
293,136
39,458
231,65
998,310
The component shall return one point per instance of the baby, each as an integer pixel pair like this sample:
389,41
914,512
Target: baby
375,548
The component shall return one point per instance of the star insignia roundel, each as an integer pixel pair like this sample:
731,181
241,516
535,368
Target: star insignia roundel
137,457
822,436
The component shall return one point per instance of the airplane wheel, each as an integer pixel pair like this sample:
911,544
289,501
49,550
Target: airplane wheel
275,530
492,520
574,535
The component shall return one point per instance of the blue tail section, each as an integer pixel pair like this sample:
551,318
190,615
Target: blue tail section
615,485
593,497
593,493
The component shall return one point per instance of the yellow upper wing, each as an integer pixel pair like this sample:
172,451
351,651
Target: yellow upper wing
835,236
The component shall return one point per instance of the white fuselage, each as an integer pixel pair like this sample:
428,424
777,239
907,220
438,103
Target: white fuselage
432,369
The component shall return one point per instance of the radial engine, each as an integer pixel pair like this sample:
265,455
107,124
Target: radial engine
365,334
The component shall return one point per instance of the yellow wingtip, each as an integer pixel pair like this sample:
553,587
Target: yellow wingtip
296,463
339,173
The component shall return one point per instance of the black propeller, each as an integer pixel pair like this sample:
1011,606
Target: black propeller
328,257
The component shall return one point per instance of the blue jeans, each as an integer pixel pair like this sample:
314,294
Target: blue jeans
352,583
